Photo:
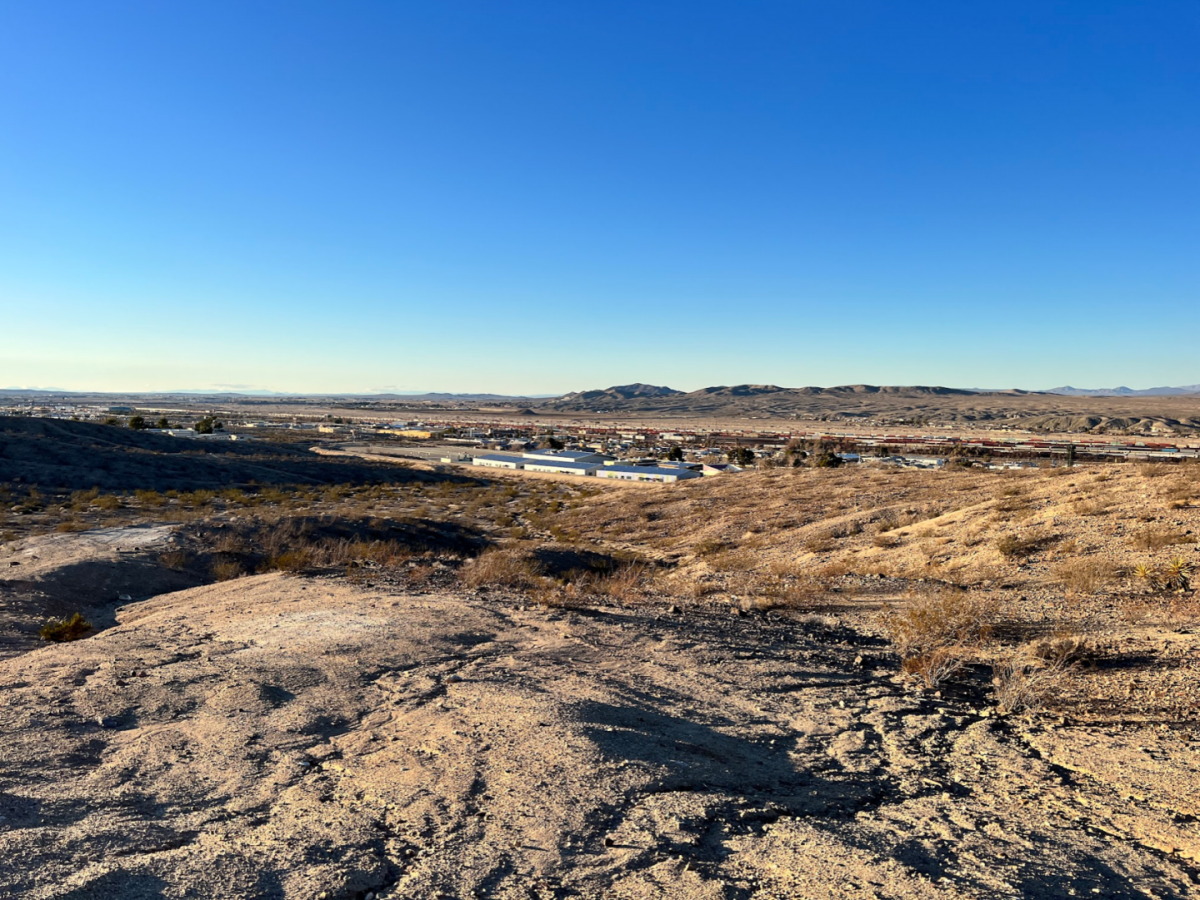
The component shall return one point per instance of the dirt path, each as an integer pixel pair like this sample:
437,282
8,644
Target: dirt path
287,737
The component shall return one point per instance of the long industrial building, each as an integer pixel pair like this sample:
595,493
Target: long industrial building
582,463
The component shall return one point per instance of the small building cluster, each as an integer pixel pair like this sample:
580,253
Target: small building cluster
598,465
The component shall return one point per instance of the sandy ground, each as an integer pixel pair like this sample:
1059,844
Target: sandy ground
278,736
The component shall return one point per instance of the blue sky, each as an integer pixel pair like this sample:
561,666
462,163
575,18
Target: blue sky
542,197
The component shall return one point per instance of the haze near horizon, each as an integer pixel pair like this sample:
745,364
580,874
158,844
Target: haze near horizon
535,199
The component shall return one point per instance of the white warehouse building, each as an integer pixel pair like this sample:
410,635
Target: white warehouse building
499,461
562,467
645,473
577,456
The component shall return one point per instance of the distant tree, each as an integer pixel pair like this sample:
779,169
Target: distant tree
554,443
162,423
675,454
138,423
205,425
828,460
741,456
111,420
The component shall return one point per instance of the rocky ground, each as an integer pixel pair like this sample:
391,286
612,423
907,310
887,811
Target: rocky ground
282,736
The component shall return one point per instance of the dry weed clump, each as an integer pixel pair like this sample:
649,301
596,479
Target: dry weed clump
1016,546
511,567
937,630
1026,678
1098,507
625,585
227,569
1084,575
733,560
1064,647
1158,538
938,617
175,559
768,591
936,666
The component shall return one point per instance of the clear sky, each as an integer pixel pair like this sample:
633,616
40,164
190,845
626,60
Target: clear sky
550,196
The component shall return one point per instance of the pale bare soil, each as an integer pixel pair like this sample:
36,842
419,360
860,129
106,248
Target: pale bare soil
723,717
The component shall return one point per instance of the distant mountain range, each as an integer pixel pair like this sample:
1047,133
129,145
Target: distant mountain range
1069,391
746,399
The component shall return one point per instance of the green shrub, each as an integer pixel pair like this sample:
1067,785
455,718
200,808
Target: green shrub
62,630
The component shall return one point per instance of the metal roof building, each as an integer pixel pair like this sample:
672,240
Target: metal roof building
644,473
499,461
566,456
562,467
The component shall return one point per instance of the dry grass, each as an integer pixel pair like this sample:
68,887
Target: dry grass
226,569
1084,575
1099,507
1158,538
509,567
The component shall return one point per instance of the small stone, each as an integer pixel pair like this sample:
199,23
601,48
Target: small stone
609,842
673,610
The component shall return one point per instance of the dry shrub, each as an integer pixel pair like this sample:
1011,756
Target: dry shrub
938,618
61,630
1016,546
886,541
69,526
821,543
419,574
732,561
710,546
1083,575
506,567
1065,648
227,569
295,560
937,665
1025,679
770,591
174,559
1157,538
891,519
625,584
1091,507
235,542
1012,504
